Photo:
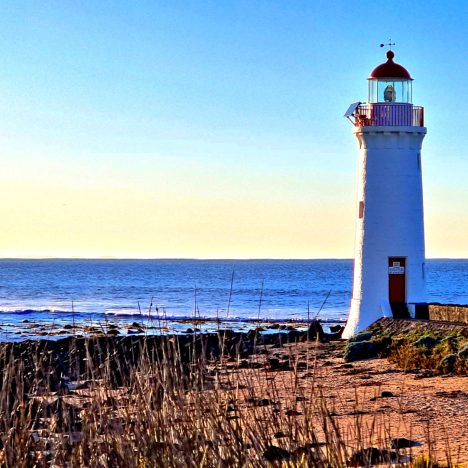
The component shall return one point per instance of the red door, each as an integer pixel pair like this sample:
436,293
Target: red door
397,286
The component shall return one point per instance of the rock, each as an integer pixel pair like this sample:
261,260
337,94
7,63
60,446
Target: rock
243,364
274,453
75,438
294,335
424,375
447,364
286,366
315,331
426,341
72,386
384,394
463,351
256,365
371,456
252,334
314,445
361,337
231,408
274,363
451,394
356,351
260,401
403,442
334,336
112,402
302,451
301,365
345,366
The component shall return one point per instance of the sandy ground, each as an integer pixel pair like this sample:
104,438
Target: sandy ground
432,411
372,400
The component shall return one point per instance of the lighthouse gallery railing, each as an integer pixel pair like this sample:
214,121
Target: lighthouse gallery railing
393,115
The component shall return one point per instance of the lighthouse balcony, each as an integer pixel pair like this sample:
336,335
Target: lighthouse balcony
388,115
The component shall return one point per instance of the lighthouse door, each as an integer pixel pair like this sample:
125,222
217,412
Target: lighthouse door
397,286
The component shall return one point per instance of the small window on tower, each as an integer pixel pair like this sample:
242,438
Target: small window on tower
361,209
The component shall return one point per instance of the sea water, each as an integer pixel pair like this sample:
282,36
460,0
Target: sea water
225,289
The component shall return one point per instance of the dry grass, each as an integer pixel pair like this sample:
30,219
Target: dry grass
175,406
407,354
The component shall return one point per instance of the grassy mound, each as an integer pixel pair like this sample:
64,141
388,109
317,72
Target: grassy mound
413,345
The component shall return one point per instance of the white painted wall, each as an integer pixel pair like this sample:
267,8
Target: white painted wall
390,185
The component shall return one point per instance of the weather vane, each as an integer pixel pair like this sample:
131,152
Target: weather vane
390,44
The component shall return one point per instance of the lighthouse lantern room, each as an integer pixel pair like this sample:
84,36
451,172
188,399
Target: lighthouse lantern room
389,276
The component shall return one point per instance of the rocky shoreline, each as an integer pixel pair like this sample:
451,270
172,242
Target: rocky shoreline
72,355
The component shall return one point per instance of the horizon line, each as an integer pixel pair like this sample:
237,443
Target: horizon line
204,258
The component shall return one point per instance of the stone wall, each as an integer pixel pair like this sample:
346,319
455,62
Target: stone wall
443,312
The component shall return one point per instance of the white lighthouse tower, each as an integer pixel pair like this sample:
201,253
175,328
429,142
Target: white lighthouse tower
389,251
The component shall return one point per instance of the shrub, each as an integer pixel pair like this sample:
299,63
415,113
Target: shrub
447,364
426,341
463,351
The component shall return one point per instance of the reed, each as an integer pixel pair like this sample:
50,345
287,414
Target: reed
180,403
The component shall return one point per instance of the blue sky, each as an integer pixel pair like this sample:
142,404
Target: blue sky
214,129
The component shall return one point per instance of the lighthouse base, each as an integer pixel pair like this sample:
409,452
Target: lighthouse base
360,318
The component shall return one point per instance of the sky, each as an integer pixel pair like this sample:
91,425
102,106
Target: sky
215,129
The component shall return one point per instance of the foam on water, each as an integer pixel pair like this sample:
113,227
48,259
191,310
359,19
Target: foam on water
232,290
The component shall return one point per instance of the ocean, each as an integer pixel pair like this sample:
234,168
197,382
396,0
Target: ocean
61,291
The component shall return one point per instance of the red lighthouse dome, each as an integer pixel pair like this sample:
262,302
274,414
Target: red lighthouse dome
390,69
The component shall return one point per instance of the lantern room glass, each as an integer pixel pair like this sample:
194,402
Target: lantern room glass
388,90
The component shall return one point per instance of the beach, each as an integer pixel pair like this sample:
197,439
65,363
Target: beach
287,397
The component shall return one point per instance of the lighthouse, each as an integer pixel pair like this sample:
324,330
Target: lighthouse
389,261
